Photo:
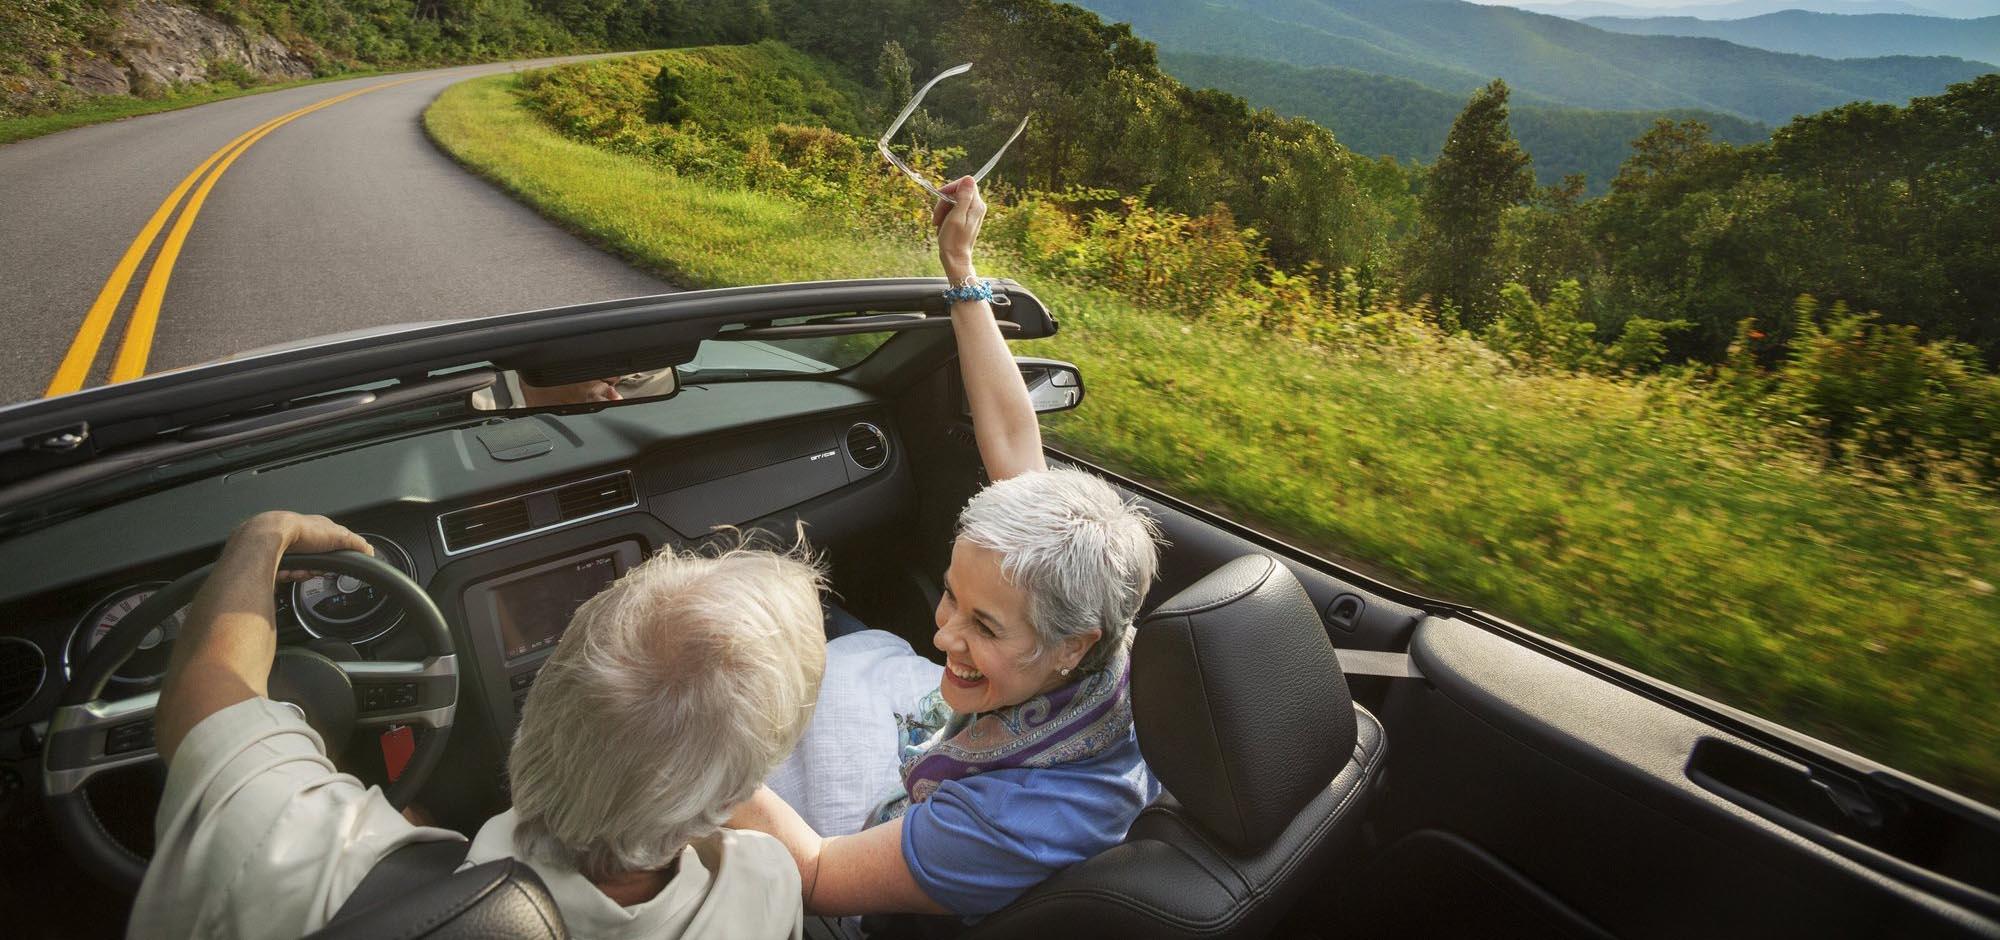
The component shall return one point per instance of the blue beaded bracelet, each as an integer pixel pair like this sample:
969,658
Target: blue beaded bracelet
977,290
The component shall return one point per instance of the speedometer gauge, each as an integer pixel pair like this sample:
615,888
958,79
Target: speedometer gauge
147,663
344,607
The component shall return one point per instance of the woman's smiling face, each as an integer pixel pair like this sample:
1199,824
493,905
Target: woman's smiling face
987,638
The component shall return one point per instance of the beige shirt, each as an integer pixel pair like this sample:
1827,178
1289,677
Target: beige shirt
731,884
260,836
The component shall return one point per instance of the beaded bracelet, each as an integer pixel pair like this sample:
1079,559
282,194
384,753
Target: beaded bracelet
972,289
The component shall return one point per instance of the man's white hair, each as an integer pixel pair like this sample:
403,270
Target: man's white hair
1084,555
671,696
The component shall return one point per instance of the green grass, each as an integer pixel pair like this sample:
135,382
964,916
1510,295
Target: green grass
1628,520
115,107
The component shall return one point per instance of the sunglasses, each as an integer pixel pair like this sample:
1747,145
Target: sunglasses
911,108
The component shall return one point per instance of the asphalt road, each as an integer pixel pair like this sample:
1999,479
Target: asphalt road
344,218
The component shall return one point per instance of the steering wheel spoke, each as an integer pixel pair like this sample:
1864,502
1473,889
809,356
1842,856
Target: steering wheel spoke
405,692
99,735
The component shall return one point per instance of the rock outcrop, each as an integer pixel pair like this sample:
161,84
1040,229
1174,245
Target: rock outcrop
153,46
165,45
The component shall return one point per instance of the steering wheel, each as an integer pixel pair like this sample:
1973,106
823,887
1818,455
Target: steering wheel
89,735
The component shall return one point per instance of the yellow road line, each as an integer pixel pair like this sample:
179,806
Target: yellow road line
76,364
75,367
138,342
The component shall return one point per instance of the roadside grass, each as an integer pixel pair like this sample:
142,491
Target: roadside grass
1627,519
112,108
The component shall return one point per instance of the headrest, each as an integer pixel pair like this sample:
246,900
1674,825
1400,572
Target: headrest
1240,704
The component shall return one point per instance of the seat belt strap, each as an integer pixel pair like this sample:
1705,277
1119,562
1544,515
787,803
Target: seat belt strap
1374,663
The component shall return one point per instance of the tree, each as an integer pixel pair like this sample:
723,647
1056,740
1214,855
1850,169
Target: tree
1481,172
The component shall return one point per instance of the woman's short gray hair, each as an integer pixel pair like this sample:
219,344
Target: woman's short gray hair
669,699
1084,555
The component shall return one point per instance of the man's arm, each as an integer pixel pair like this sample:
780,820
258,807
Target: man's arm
1003,417
224,651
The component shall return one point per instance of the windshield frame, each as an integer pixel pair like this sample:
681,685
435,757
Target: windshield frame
83,437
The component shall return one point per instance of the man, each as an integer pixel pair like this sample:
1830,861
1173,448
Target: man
671,695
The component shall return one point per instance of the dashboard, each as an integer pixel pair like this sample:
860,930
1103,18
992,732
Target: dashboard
508,540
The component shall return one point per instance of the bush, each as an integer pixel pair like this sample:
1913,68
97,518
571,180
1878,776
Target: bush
1877,395
1551,335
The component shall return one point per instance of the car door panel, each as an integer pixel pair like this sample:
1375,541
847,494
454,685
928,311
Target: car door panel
1580,788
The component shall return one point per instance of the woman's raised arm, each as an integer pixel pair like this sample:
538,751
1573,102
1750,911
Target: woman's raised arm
1003,418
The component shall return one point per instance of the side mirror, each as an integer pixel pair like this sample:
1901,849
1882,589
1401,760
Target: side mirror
1053,385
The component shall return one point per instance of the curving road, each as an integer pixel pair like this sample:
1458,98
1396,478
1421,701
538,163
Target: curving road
343,218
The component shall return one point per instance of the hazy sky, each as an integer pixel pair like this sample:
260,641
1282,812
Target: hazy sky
1945,7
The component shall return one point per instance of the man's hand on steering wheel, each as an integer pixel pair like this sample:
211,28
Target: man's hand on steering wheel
224,651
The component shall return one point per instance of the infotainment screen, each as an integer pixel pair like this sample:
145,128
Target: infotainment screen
533,611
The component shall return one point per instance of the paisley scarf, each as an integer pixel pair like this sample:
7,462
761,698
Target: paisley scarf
1078,720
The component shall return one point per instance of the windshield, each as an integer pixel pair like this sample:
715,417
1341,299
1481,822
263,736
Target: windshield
716,360
1667,334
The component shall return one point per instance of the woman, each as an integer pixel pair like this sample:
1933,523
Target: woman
1033,765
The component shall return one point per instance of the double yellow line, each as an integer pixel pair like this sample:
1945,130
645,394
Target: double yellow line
138,342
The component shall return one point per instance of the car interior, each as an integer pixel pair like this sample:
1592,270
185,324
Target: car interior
1341,757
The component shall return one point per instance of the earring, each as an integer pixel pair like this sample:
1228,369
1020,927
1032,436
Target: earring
1064,670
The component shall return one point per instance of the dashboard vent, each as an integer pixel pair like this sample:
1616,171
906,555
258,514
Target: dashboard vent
468,528
22,669
591,497
867,446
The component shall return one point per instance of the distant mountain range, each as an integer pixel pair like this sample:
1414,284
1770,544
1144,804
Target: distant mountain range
1453,46
1831,35
1740,9
1377,114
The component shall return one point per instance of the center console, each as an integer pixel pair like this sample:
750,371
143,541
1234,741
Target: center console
515,619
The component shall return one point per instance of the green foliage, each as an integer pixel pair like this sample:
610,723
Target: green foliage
1877,394
1536,334
1887,208
755,116
37,39
1641,344
1481,173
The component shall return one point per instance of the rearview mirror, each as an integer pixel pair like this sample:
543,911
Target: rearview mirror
513,392
1053,385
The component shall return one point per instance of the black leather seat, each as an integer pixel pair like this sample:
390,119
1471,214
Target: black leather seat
413,892
1243,714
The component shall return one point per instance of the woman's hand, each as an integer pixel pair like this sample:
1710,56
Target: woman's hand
958,226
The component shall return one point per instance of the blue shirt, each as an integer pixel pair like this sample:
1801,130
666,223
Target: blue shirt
980,841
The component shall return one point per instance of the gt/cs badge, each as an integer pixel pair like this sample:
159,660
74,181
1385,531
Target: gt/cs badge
825,455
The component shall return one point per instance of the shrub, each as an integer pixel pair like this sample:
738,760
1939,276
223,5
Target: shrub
1878,395
1551,335
1641,345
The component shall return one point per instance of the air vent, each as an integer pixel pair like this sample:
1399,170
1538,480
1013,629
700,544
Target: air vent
21,672
471,528
867,446
592,497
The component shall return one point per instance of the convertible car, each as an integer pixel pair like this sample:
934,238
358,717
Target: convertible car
1341,757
